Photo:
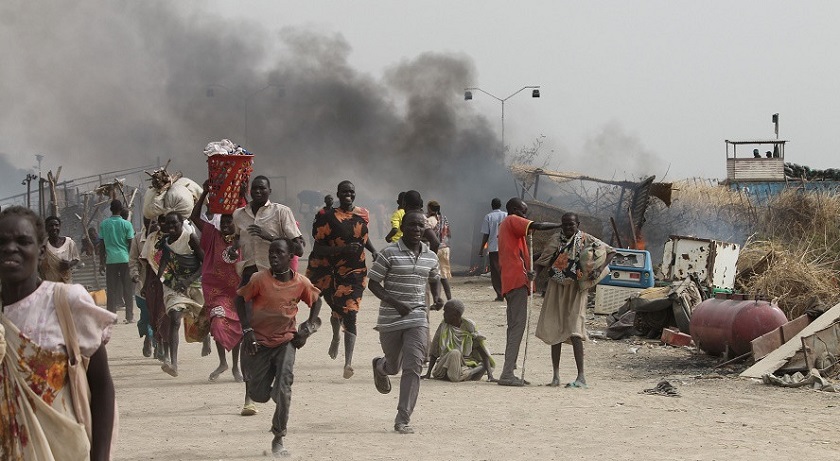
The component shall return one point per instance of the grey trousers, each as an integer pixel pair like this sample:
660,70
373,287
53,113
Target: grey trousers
269,375
119,286
406,350
517,318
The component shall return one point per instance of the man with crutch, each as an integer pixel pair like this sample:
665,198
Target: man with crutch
517,274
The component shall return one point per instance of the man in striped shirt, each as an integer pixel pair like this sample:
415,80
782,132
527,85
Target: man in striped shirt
398,278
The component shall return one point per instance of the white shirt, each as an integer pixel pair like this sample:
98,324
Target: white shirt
275,218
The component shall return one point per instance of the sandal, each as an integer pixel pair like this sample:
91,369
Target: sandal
249,409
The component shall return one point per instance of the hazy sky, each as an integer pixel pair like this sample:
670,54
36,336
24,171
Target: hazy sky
672,79
629,88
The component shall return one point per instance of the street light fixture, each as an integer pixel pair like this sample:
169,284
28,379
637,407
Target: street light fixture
211,93
27,181
535,93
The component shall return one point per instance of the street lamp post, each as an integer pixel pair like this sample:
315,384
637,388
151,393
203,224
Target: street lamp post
244,98
27,181
535,93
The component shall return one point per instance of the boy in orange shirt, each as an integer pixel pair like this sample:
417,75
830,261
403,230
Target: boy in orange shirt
270,338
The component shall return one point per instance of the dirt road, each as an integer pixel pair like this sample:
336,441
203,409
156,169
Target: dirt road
716,417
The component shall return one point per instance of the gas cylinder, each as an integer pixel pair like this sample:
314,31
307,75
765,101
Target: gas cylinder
728,322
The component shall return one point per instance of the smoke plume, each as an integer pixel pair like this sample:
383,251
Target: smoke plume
612,145
100,86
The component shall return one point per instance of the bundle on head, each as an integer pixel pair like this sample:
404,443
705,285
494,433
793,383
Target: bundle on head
162,179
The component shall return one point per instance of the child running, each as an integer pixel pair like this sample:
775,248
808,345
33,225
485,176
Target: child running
269,334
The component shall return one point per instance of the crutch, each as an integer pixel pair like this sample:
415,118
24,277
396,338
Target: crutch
530,304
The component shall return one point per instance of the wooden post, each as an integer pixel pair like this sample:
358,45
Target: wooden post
87,218
130,205
53,180
616,235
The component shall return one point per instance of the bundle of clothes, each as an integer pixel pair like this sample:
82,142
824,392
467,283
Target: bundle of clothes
224,147
170,192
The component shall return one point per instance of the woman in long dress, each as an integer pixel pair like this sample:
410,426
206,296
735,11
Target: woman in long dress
337,266
37,416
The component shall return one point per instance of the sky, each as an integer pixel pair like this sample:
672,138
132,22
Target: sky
669,79
628,88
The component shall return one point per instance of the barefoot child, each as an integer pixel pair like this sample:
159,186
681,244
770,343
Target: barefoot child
269,334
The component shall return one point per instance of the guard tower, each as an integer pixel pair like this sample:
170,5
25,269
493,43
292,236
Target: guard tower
742,165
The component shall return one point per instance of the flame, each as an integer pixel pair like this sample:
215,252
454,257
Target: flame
478,269
640,242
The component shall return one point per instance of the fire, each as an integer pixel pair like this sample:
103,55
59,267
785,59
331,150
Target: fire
640,242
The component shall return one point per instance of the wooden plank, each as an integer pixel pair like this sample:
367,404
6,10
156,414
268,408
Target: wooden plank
766,343
779,357
772,340
790,329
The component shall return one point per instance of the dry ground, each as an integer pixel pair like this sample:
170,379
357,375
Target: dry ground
718,415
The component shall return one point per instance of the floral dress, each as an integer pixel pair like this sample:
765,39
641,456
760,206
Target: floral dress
341,278
37,420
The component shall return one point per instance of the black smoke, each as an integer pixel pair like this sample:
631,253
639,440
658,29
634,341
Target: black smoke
99,86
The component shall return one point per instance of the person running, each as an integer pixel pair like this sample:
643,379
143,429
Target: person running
270,337
490,242
42,416
576,262
337,266
139,269
152,290
219,282
396,220
517,276
412,201
328,204
258,224
61,255
398,278
180,270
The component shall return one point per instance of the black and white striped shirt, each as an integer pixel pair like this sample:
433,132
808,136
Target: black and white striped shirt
404,275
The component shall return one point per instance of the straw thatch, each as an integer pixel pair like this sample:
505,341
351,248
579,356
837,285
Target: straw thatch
794,257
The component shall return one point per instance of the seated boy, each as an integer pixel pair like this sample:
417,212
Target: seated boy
458,352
